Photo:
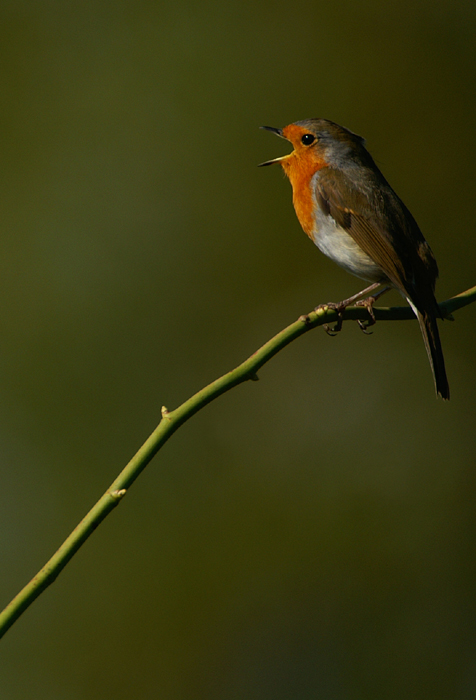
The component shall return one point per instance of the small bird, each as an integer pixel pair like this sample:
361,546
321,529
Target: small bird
348,209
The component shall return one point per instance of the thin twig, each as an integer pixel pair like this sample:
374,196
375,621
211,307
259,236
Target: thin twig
172,420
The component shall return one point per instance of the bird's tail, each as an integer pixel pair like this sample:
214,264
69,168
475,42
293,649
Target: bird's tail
431,338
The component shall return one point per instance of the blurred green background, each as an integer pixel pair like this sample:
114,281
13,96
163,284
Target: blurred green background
311,535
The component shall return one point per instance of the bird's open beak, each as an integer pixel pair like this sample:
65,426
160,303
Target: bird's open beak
278,132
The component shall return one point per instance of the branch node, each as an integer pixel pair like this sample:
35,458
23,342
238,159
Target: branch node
254,377
321,310
118,494
305,318
165,412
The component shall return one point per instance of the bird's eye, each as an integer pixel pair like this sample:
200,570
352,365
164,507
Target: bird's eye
307,139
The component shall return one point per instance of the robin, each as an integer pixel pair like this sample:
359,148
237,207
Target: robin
348,209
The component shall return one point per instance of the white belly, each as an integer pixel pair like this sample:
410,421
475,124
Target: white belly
333,241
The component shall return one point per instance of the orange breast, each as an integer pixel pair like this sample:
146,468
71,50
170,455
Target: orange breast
300,170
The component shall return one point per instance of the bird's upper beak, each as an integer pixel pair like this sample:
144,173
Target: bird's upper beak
278,132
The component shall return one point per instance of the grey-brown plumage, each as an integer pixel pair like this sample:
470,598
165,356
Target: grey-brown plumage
349,210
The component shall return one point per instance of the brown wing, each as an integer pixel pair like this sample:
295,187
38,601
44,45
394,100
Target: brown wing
382,226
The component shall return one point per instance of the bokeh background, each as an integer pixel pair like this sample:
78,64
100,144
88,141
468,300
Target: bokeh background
311,535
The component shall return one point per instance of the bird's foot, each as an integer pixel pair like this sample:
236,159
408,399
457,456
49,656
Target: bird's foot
341,306
368,303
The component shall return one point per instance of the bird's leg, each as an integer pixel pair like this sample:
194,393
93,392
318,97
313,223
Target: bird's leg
341,306
368,303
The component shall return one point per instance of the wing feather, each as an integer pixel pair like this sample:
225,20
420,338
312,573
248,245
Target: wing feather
391,238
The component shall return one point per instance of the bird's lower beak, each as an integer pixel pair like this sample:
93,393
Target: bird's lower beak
278,132
272,161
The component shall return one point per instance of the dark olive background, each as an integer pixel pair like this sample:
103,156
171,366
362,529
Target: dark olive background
311,535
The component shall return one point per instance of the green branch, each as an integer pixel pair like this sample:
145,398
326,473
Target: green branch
172,420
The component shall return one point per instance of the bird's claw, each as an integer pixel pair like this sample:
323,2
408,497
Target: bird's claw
363,326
